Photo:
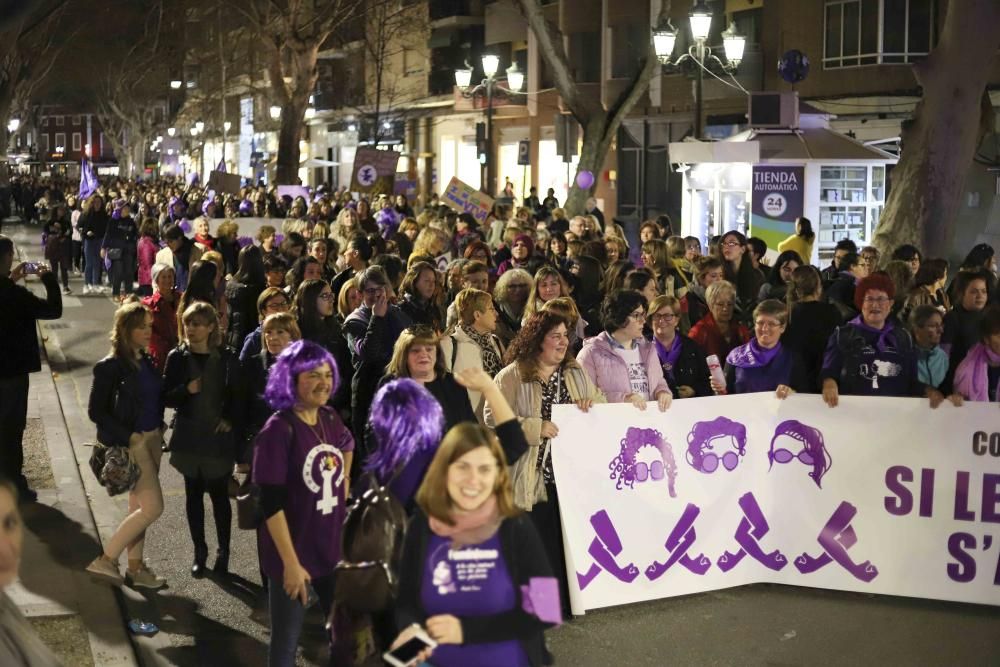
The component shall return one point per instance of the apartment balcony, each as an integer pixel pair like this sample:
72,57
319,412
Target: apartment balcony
455,13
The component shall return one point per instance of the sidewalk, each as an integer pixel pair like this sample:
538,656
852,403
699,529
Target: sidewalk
79,619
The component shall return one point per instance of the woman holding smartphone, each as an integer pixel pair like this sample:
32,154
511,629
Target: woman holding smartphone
472,563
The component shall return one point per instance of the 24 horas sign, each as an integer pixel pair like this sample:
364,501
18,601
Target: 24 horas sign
880,495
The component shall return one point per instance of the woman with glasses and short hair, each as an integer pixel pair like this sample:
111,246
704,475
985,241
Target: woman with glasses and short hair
682,361
619,361
870,355
272,300
763,364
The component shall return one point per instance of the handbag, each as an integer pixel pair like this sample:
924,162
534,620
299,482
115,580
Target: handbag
527,480
114,468
115,254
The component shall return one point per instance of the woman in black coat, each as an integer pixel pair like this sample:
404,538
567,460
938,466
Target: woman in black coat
810,323
242,291
202,381
684,366
126,405
314,307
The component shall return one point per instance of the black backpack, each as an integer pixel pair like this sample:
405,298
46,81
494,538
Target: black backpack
371,550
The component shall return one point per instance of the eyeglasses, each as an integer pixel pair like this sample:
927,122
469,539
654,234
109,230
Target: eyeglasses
277,305
731,244
637,316
710,462
877,300
765,324
784,456
643,472
327,296
663,317
374,291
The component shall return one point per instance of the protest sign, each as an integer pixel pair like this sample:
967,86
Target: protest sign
466,199
220,181
877,495
374,171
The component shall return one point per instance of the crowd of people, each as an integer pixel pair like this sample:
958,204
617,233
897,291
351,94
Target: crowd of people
354,343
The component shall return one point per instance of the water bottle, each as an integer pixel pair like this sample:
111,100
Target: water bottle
715,370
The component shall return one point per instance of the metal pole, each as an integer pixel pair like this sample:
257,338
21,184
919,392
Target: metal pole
490,185
698,129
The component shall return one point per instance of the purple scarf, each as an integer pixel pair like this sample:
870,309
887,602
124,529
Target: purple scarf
668,358
972,375
883,334
752,355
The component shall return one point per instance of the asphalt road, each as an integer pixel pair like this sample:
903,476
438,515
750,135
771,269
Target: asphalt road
222,621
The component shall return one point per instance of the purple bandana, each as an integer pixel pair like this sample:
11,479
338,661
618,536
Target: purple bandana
668,358
752,355
883,334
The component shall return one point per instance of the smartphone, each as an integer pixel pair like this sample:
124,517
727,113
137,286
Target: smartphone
311,596
406,654
29,268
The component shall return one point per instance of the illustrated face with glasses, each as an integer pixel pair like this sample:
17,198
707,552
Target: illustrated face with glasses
808,449
707,439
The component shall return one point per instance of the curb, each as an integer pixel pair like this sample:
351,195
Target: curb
100,609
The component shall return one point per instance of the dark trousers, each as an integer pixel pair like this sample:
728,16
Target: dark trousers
60,267
195,489
547,521
13,417
121,274
78,255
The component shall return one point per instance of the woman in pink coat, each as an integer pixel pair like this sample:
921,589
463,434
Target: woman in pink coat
146,251
619,361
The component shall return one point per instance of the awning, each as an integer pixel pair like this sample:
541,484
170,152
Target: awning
754,146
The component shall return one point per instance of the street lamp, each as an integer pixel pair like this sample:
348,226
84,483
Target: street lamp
171,131
275,112
13,124
226,126
310,113
176,84
699,55
489,88
200,125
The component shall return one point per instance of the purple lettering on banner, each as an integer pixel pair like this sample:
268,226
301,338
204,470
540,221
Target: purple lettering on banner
964,570
700,451
991,497
753,526
627,470
678,543
901,503
927,492
836,538
962,511
812,454
603,549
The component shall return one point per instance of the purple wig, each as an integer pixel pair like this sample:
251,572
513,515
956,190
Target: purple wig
405,419
299,357
185,226
246,207
244,241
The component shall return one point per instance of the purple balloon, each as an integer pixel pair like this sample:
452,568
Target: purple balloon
585,179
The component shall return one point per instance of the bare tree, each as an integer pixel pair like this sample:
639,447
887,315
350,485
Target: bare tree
948,125
292,32
28,49
599,125
127,94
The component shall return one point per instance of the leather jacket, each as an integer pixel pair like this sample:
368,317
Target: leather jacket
115,400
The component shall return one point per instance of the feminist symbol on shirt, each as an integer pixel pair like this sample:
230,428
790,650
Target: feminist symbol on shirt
331,469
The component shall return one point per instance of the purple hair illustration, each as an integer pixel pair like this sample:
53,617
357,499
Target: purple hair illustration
405,419
699,452
299,357
627,471
813,451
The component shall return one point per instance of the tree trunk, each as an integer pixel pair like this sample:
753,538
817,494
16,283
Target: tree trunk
597,139
295,99
939,145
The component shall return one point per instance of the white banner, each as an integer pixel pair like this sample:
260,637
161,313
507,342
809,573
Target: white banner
878,495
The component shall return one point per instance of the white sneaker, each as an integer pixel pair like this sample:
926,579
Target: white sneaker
86,289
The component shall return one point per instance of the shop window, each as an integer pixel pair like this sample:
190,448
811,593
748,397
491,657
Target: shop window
874,32
851,201
60,141
77,142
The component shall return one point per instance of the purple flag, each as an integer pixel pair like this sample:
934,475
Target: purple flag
222,166
88,181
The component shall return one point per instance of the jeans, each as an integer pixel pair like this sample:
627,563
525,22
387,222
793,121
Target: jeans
94,263
287,616
13,418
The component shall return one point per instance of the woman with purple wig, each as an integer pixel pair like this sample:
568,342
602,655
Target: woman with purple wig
302,461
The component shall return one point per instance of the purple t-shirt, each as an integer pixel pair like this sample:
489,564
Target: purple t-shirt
472,581
309,464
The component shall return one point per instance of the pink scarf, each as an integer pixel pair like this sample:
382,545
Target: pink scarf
972,375
470,528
